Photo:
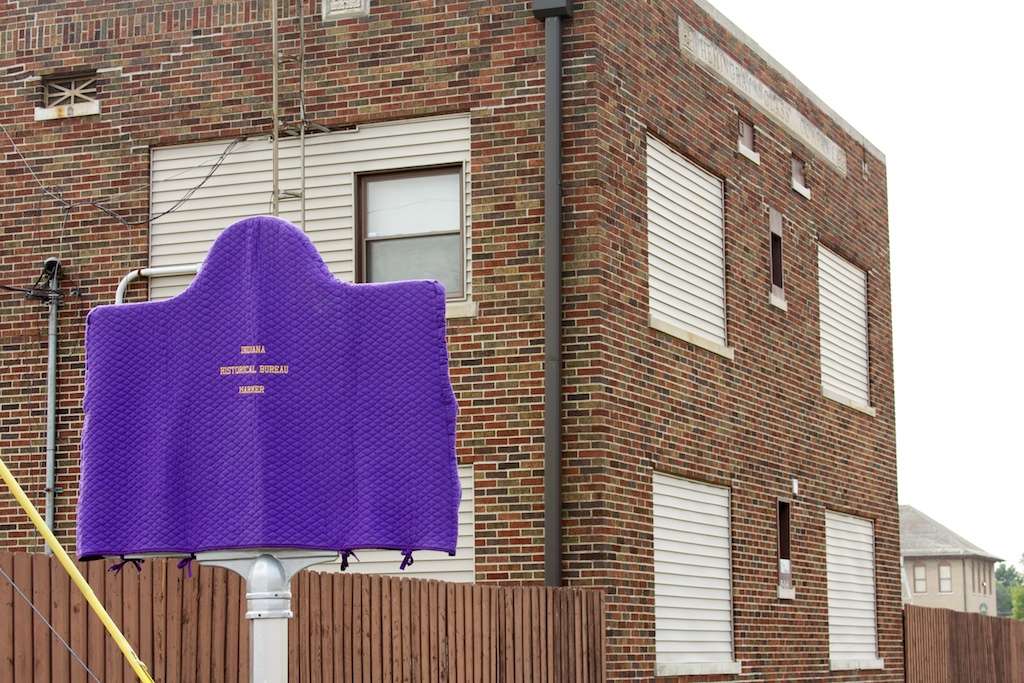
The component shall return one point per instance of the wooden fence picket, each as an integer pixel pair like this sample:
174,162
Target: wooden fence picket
347,627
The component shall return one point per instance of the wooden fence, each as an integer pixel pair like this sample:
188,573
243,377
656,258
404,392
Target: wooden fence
347,627
943,646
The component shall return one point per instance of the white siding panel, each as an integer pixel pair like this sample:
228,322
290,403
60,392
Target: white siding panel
849,557
429,564
242,187
692,573
686,233
842,294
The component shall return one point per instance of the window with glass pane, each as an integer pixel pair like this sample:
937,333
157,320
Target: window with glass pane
412,227
945,578
920,579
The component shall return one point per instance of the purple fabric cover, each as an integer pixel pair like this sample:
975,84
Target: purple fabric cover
347,440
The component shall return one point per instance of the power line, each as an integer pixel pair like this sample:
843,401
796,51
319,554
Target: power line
29,166
49,625
95,203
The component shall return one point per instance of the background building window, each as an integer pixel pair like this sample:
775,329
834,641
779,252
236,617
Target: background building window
945,578
411,227
692,578
920,579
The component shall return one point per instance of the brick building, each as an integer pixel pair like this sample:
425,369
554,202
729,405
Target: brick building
726,430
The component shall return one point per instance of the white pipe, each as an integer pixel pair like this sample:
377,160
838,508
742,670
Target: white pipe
159,271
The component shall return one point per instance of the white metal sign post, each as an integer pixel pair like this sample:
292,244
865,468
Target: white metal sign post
268,574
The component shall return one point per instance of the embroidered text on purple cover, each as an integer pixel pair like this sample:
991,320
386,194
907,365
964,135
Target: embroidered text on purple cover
269,406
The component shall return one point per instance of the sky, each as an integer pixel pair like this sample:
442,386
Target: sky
937,88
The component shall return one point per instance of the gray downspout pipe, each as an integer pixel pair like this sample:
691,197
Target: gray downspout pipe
53,301
551,13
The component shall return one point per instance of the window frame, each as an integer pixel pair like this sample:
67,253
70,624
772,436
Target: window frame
844,333
746,138
851,568
689,507
948,579
362,204
798,177
776,256
920,581
784,528
181,234
687,255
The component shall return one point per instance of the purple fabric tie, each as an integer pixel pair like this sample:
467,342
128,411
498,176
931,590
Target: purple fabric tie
407,562
116,568
186,563
345,554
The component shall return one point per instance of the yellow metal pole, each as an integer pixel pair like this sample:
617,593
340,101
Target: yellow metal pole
76,576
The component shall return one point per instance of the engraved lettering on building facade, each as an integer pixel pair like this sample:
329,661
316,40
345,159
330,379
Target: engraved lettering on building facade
713,59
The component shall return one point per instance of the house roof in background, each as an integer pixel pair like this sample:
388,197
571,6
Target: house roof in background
922,536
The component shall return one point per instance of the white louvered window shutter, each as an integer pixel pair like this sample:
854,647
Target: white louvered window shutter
692,578
850,568
686,245
843,305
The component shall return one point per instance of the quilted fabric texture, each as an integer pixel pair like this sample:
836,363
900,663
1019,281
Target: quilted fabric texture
269,406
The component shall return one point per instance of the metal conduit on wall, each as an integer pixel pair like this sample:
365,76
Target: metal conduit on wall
54,300
551,12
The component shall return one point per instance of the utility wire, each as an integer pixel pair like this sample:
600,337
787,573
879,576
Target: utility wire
95,203
29,167
49,625
69,207
177,205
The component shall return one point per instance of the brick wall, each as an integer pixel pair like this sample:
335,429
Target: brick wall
642,400
635,399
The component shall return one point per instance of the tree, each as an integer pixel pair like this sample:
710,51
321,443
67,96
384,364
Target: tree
1007,579
1017,597
1008,576
1004,601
